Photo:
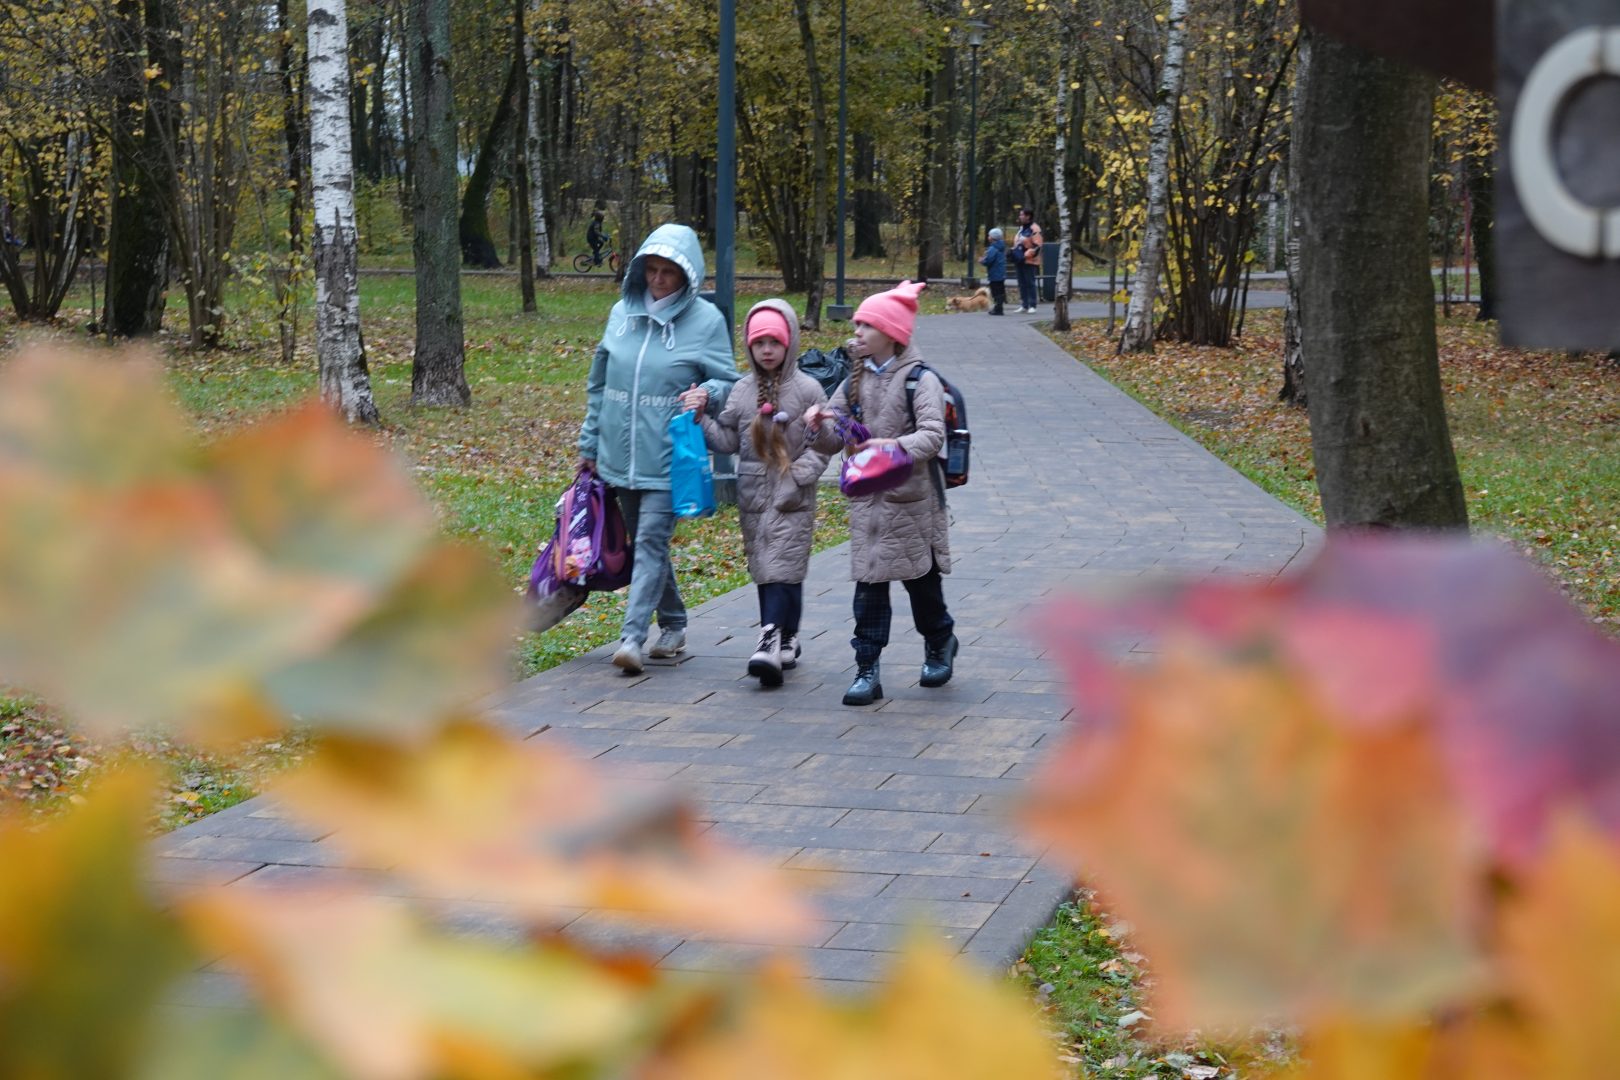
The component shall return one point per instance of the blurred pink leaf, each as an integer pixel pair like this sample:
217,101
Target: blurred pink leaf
1522,692
1276,859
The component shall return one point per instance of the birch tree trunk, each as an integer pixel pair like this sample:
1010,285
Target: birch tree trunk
1138,334
1060,162
534,159
344,377
438,368
1379,437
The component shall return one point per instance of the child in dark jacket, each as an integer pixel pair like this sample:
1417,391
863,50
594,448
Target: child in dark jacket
995,269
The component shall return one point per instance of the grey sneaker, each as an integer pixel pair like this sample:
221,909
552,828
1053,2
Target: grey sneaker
791,653
628,657
670,644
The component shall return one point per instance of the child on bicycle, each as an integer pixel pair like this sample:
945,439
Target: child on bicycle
900,534
763,423
596,237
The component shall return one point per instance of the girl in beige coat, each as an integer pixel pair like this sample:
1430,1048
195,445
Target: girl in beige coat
901,534
763,424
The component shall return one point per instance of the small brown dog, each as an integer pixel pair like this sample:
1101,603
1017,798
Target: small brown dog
974,301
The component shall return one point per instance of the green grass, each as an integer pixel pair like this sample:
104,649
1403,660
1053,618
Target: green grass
1081,970
1537,446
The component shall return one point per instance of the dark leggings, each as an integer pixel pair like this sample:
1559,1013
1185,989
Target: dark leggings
873,614
780,605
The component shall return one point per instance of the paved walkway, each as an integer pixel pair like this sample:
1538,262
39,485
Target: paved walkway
897,806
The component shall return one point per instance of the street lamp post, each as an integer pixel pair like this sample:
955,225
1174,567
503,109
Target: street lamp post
839,310
975,38
725,185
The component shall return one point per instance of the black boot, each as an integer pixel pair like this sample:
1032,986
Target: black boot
997,309
939,662
867,687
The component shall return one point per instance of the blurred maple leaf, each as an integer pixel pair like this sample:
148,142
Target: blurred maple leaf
1526,691
1275,860
1300,801
1559,961
1462,633
527,825
934,1017
1550,1010
390,999
84,955
289,569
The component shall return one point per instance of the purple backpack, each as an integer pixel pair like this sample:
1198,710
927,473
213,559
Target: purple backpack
589,551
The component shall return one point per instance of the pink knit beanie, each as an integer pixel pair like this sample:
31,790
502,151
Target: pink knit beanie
893,312
767,322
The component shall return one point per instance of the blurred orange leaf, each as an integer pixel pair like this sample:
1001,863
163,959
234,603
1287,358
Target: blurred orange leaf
1276,859
291,568
527,825
935,1017
84,955
1351,1050
1559,958
391,1000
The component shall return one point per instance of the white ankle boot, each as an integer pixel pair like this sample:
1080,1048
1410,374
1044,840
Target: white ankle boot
766,663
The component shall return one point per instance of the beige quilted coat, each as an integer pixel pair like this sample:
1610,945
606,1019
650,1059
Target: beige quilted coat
778,512
898,535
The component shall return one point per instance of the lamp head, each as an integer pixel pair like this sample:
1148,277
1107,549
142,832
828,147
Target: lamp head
975,32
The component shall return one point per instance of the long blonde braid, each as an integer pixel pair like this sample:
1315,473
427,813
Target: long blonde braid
770,444
852,395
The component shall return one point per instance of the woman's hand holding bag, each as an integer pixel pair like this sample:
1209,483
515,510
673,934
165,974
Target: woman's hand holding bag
589,551
691,480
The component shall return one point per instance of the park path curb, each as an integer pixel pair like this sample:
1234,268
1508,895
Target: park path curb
892,811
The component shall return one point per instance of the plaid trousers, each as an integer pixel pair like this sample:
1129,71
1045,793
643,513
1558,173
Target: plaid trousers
873,614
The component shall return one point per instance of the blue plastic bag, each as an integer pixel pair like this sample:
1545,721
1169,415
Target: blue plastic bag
691,480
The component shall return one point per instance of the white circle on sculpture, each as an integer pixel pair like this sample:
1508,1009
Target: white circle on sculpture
1564,221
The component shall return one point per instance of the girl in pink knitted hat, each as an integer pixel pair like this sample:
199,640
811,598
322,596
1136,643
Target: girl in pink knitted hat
763,424
900,534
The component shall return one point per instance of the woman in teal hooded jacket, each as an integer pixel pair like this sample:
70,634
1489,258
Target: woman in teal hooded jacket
661,340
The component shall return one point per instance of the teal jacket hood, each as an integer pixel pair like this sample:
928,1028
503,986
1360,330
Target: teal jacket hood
680,245
646,360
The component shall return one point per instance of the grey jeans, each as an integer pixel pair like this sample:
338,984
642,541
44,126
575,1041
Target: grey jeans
649,517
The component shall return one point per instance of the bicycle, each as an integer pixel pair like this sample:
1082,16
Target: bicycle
585,262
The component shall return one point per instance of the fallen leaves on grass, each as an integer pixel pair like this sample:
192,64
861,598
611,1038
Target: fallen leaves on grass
1535,434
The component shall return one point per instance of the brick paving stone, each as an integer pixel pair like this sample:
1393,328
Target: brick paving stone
962,914
783,816
171,871
829,837
920,864
919,887
816,881
1076,488
864,799
890,937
